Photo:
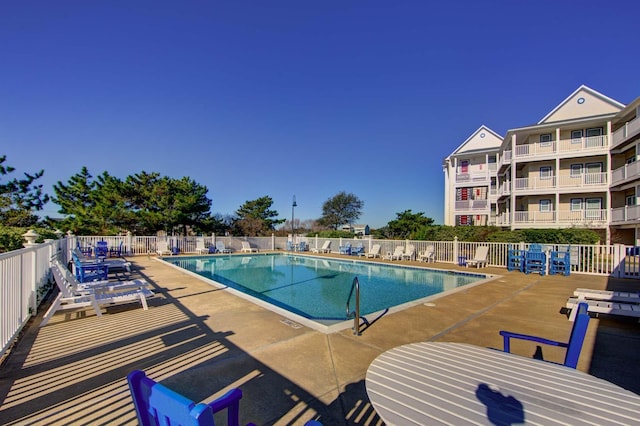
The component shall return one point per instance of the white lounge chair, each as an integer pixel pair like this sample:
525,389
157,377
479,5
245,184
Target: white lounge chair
604,307
614,296
409,253
162,248
480,259
428,255
94,294
220,247
396,255
200,246
326,248
375,251
246,248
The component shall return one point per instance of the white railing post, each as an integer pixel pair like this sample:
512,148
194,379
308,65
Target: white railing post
273,241
455,250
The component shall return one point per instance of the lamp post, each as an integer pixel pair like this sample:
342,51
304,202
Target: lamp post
293,207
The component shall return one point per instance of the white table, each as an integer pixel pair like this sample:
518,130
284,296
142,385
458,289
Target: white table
454,383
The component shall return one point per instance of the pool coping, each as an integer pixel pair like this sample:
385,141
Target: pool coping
299,320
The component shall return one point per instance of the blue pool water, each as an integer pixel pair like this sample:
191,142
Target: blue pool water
317,288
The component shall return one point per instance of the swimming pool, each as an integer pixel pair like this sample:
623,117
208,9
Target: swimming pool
314,290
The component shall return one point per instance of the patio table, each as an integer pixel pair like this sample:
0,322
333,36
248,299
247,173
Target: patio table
455,383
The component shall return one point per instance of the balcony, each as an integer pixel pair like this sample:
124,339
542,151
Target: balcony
553,219
588,181
627,172
625,214
471,206
478,178
584,145
626,132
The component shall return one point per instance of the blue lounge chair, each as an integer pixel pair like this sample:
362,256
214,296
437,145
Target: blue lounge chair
358,250
574,345
345,249
102,249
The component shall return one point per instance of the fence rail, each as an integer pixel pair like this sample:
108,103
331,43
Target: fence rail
24,274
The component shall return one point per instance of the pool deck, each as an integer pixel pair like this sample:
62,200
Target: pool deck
201,341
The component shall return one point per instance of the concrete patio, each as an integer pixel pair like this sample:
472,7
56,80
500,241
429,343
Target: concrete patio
201,341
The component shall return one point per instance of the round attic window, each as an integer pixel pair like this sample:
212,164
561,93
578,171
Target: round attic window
482,135
581,100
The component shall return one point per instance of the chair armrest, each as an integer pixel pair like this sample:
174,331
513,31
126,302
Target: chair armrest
230,401
508,335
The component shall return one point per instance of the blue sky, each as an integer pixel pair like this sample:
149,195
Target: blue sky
255,98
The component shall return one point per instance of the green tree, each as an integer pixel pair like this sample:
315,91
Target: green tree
341,209
76,202
406,225
20,198
255,217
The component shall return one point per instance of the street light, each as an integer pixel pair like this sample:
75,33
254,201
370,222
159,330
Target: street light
293,206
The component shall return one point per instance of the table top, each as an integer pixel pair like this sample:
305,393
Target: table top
455,383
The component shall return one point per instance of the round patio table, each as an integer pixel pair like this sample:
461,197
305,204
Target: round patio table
454,383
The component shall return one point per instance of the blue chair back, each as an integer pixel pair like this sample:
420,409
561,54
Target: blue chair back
156,404
102,249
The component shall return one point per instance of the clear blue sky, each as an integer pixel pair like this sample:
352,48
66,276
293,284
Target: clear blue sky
269,97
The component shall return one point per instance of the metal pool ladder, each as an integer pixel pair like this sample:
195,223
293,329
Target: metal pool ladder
356,313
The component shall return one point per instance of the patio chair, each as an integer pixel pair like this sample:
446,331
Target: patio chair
302,246
102,249
396,255
409,253
358,250
220,247
574,345
114,265
162,248
375,251
535,261
345,249
428,255
200,246
480,259
246,248
326,248
560,262
75,295
116,251
156,404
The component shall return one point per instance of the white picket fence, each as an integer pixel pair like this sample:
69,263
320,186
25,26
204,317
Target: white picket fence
24,273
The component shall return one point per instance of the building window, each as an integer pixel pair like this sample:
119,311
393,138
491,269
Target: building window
630,200
576,136
593,208
594,138
464,166
576,204
545,172
545,140
576,170
545,205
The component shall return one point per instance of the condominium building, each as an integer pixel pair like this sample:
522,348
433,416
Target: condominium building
576,167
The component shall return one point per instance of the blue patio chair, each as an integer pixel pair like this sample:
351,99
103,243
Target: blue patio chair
357,250
158,405
302,246
560,262
102,249
515,259
535,261
116,251
345,249
574,345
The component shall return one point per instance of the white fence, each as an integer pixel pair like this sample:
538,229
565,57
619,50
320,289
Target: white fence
24,273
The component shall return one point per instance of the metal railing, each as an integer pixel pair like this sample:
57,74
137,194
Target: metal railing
355,290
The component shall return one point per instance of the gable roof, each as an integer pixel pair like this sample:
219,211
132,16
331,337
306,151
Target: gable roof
482,139
583,102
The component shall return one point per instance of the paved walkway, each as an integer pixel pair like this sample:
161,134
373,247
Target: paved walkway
200,341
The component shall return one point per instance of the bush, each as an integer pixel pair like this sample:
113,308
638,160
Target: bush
11,237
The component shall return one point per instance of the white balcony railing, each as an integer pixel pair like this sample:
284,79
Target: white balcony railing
477,178
591,143
469,205
625,214
563,217
554,182
628,171
626,132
